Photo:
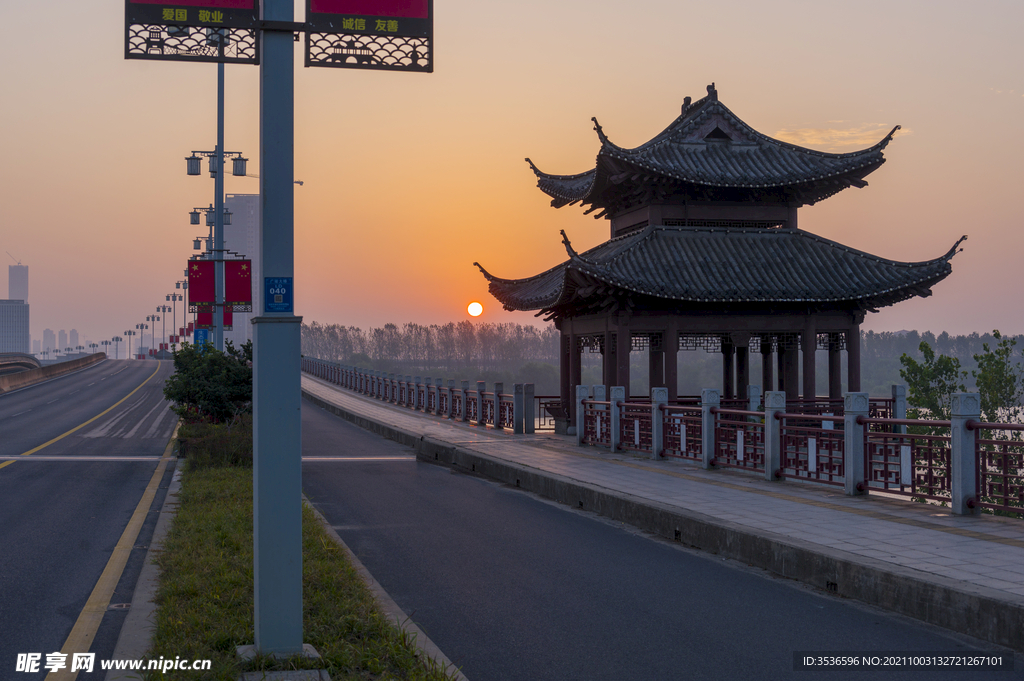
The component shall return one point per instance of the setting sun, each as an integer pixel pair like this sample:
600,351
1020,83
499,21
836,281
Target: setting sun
475,309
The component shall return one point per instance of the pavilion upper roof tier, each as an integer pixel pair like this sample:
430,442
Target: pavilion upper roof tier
709,154
698,265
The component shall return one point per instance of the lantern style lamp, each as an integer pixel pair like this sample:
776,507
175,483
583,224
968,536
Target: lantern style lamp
238,166
193,162
193,217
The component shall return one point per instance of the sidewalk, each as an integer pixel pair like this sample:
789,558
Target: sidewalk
961,573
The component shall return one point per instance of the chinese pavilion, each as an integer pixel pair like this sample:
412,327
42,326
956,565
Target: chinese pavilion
705,252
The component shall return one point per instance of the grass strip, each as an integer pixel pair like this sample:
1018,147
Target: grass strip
205,597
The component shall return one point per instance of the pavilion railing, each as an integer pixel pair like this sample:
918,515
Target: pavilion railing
962,463
999,464
514,411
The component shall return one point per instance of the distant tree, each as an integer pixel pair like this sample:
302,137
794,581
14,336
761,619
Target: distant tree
930,383
1000,381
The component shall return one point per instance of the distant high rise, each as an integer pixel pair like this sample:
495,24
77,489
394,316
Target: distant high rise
243,236
37,347
17,282
14,326
63,338
73,338
49,340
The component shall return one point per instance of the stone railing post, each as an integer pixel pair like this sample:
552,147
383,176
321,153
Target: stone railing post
529,413
659,398
753,398
854,405
963,469
410,391
498,389
709,397
417,386
438,387
582,393
448,390
481,416
774,403
600,393
426,394
517,408
618,395
465,401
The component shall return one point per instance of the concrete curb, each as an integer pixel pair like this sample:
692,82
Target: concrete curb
975,611
388,605
136,635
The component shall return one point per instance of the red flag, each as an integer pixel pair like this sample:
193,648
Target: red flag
202,282
204,320
237,282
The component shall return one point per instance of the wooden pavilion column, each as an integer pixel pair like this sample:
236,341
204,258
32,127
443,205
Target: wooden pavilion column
780,361
575,374
565,389
853,358
810,348
767,369
610,361
624,346
835,368
728,368
656,362
670,345
742,369
791,368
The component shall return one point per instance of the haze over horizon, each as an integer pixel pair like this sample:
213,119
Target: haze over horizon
410,178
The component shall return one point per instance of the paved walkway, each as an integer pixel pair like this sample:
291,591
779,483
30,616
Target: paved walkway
976,563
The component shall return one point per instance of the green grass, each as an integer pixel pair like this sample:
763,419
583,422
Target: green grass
205,597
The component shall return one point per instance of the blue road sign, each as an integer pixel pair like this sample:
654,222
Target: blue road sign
277,294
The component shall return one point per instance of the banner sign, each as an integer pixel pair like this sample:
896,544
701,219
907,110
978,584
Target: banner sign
202,285
394,35
277,294
238,285
204,320
192,30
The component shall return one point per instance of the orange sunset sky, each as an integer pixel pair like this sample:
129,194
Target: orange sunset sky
410,178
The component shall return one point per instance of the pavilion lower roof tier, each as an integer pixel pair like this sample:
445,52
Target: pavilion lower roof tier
709,154
694,266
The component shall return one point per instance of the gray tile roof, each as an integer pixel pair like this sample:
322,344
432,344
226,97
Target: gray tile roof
712,265
708,147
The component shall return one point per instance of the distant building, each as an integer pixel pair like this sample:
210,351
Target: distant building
73,338
17,282
242,236
14,326
37,347
49,340
63,338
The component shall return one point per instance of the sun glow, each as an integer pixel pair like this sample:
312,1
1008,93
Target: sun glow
475,309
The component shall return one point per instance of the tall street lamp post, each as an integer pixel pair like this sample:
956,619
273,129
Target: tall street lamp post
174,298
129,333
116,340
164,309
152,336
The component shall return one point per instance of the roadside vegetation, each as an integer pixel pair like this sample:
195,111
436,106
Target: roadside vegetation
205,598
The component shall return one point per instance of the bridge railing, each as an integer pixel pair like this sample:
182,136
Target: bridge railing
515,411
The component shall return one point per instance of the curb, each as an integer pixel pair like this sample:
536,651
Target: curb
388,605
975,611
137,630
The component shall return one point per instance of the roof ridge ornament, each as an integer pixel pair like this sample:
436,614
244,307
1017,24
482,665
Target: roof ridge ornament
600,130
888,138
686,105
486,274
712,93
536,170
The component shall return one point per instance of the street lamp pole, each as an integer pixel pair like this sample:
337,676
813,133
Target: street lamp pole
218,231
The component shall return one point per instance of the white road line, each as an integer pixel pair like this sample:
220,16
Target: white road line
156,424
102,430
131,433
93,383
35,457
72,393
359,458
52,401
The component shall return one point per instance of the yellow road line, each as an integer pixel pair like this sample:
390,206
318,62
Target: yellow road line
83,425
82,634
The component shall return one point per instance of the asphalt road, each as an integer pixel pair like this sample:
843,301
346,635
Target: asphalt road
512,587
63,508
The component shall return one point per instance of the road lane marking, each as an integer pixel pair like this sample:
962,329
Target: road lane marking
72,393
359,458
19,413
83,425
84,631
52,401
72,457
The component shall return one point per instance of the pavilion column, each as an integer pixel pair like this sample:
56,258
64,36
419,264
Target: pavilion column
853,357
835,368
791,362
742,370
624,346
767,369
610,361
670,343
810,348
656,362
780,361
728,368
565,391
575,375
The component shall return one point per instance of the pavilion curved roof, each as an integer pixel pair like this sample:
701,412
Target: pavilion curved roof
713,265
708,148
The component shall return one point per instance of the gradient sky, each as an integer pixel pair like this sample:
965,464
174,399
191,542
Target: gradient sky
409,178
